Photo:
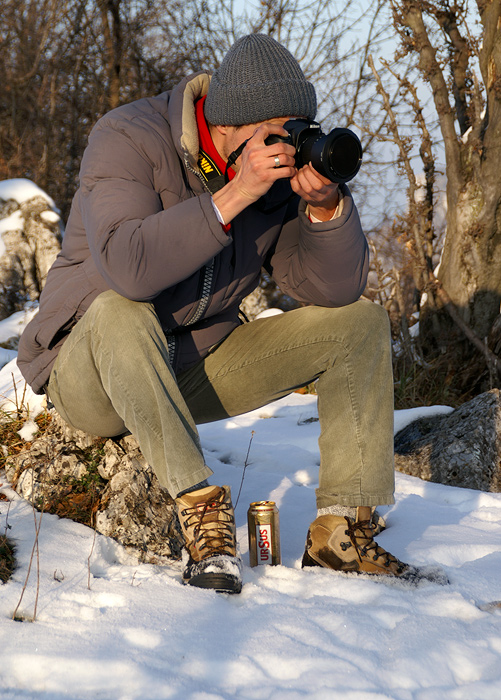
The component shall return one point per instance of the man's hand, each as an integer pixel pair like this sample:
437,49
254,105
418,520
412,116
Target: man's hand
319,193
258,167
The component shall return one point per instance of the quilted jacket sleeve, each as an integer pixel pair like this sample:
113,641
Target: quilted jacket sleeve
322,263
144,233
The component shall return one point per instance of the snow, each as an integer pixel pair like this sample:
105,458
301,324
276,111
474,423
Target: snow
13,326
403,418
14,392
110,627
50,217
28,431
269,312
21,190
14,222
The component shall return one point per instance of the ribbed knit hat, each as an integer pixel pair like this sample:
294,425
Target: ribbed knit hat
259,79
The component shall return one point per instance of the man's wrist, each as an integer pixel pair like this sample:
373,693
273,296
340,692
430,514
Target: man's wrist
229,202
318,215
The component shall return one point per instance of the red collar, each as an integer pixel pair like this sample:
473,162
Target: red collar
206,142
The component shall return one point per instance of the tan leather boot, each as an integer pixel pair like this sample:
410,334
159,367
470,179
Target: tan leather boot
208,525
339,543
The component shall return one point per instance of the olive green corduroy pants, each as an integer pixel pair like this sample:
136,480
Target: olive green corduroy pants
113,375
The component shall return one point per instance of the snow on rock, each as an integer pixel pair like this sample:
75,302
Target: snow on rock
12,327
269,312
21,190
409,415
28,431
30,239
12,222
462,448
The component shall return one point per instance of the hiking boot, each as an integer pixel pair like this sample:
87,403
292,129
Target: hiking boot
342,544
208,525
378,523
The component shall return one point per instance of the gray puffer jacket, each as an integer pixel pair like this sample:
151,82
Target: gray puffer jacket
142,223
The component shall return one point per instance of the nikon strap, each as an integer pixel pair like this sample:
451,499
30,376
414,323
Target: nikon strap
210,172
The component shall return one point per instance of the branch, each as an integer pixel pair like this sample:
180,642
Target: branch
430,282
408,14
406,163
35,548
459,60
490,53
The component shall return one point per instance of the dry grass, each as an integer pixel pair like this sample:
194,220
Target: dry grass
79,499
10,440
12,444
7,558
427,385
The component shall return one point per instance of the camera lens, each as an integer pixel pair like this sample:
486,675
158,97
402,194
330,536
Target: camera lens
338,155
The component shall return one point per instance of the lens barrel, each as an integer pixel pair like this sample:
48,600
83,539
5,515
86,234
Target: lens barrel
336,155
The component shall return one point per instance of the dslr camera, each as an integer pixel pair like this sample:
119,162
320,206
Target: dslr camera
336,155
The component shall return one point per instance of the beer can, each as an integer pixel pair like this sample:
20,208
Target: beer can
264,533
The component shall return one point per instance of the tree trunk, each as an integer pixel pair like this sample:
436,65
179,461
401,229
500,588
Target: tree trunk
469,113
471,258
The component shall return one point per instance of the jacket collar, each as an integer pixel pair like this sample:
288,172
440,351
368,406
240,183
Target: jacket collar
182,115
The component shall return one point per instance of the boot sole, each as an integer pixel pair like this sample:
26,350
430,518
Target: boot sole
345,568
411,575
221,583
309,561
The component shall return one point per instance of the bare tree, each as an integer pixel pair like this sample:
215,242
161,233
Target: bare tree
64,63
456,46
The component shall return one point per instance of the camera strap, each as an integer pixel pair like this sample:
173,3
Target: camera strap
232,158
210,172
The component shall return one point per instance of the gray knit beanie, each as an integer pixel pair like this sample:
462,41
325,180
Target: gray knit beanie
259,79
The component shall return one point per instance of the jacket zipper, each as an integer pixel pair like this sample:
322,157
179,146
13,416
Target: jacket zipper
203,302
208,272
208,276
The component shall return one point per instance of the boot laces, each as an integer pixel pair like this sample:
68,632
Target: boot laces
370,546
215,535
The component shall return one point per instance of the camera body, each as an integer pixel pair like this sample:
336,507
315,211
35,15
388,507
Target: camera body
336,155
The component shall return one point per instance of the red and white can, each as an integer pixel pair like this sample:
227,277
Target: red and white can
264,533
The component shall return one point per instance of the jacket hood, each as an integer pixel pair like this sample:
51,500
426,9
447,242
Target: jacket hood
182,114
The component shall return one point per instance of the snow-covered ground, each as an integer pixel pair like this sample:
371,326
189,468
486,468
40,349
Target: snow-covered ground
108,627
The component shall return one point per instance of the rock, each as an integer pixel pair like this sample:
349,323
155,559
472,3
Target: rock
254,304
104,483
462,448
31,234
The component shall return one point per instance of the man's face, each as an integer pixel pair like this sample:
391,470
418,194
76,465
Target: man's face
233,136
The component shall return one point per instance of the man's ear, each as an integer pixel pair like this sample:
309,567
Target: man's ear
222,129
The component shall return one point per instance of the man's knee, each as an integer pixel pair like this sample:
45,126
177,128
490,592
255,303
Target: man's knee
373,317
110,309
362,315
